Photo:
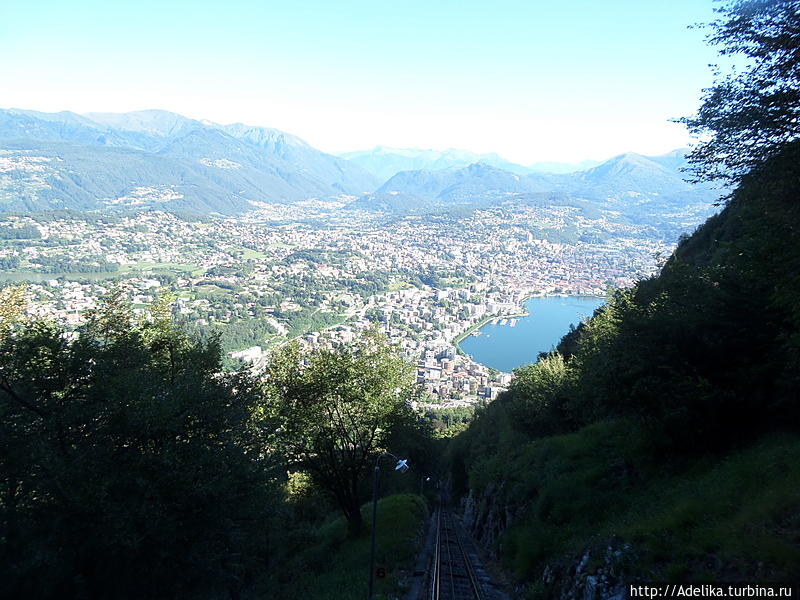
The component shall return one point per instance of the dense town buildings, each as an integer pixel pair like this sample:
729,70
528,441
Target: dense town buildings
322,274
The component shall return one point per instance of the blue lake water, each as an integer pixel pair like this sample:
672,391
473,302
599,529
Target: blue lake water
504,348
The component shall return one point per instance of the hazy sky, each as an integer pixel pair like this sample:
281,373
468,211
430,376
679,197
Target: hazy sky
531,80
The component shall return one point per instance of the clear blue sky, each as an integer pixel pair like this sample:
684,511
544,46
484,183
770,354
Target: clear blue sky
532,80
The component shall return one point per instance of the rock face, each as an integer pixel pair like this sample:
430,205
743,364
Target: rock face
487,516
600,572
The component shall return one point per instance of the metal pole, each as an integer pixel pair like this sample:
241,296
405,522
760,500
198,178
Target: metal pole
375,476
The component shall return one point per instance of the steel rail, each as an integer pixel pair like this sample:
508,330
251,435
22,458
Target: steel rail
451,564
436,568
473,578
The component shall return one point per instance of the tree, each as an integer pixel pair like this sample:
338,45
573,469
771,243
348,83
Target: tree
130,466
542,392
335,409
747,117
12,307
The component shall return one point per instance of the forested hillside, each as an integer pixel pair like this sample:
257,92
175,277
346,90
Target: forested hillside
666,425
132,466
660,441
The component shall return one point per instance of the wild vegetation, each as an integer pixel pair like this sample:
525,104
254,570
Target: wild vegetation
662,433
665,427
336,409
132,466
668,420
749,115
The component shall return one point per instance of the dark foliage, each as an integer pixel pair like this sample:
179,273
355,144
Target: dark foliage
130,468
337,410
752,114
26,232
704,355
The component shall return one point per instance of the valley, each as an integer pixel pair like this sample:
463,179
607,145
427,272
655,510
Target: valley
323,274
262,238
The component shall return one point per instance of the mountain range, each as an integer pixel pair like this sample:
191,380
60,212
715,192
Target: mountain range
156,158
629,182
385,162
153,157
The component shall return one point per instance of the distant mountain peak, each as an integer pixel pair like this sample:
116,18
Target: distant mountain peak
262,136
96,159
386,161
151,121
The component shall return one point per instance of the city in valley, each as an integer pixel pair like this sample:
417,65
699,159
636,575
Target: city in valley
321,273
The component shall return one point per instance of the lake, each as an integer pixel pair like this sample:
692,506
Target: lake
504,347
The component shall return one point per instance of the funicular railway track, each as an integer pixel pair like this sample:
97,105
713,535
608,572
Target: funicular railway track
452,574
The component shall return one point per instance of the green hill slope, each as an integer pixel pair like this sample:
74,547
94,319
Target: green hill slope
661,439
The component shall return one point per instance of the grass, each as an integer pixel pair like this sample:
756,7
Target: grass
308,320
338,567
399,284
165,267
462,336
138,268
250,254
209,288
743,510
38,277
708,517
453,282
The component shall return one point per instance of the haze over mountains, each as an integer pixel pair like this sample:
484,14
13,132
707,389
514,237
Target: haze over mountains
156,158
384,162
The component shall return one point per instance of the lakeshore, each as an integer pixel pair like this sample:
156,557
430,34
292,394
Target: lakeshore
545,321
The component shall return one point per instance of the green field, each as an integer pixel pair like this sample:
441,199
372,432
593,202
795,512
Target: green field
249,254
453,282
23,276
138,268
399,284
164,267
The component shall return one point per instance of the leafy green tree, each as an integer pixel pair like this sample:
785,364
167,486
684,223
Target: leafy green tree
335,409
12,307
543,391
749,116
130,466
